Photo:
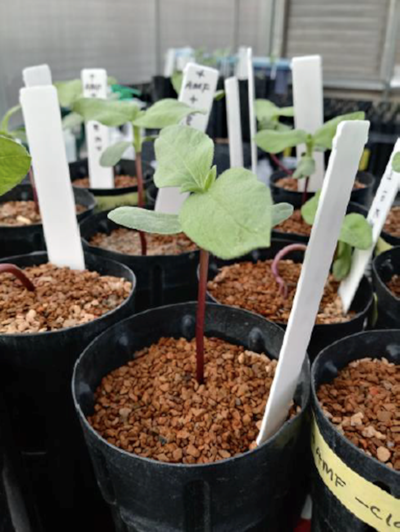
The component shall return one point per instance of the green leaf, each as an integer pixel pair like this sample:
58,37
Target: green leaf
108,112
15,162
276,141
356,231
396,162
145,220
305,168
19,134
281,212
232,217
382,246
323,137
266,110
164,113
176,80
68,91
342,263
219,95
7,116
184,157
72,120
111,80
113,154
309,209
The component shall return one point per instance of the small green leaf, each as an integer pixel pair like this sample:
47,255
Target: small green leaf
108,112
305,168
145,220
281,212
276,141
342,263
219,95
309,209
15,162
176,80
266,110
396,162
164,113
72,120
356,231
113,154
184,157
111,80
382,246
324,136
232,217
68,91
7,116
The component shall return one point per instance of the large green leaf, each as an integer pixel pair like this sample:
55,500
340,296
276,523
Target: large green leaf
309,209
145,220
7,116
164,113
280,213
15,162
356,231
276,141
342,263
68,91
113,154
108,112
184,157
396,162
324,136
72,120
232,217
305,168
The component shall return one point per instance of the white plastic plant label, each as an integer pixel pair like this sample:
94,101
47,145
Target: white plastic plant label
348,145
198,89
94,82
241,70
37,76
42,119
308,104
169,65
384,198
234,122
252,114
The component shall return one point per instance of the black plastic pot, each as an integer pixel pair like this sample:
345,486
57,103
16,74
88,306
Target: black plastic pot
390,239
35,376
257,491
161,279
329,514
362,196
323,334
18,240
384,267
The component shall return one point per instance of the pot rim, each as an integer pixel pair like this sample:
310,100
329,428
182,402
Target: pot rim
375,264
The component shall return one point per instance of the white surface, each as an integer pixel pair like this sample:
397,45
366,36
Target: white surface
42,120
234,123
252,114
169,66
384,198
309,109
94,82
198,89
338,183
37,75
241,70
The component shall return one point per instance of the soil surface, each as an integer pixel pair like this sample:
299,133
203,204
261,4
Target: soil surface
290,183
253,287
120,181
294,224
127,242
392,224
63,298
19,213
394,285
363,402
154,407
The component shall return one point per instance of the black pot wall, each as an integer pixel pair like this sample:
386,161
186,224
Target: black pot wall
257,491
390,239
35,375
329,514
28,238
384,267
161,279
322,334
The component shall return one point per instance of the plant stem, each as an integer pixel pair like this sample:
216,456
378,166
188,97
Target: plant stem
305,191
19,274
139,176
34,191
283,289
280,165
200,315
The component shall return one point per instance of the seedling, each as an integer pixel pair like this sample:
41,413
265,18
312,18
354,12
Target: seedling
396,162
228,216
5,131
116,113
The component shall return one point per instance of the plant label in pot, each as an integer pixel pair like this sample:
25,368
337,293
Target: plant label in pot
309,108
42,118
343,163
234,124
377,215
252,115
37,75
94,82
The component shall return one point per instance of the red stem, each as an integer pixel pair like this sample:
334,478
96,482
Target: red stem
305,191
19,274
141,202
200,315
283,289
280,165
34,191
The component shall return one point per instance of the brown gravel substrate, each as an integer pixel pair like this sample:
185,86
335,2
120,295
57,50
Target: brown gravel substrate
154,407
294,224
363,402
17,213
392,224
253,287
127,242
290,183
120,181
62,298
394,285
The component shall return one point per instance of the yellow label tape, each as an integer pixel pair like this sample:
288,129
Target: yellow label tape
366,501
